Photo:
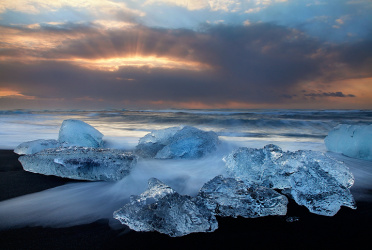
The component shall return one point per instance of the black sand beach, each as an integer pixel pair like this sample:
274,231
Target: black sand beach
348,228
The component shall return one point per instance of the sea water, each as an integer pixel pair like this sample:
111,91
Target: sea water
82,202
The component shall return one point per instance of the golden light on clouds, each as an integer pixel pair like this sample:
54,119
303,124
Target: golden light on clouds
13,93
37,44
114,64
361,88
355,92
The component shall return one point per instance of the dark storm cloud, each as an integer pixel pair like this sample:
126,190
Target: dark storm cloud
329,94
262,63
358,56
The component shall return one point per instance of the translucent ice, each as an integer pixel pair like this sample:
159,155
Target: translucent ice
35,146
258,166
231,197
351,140
162,209
314,179
177,142
314,188
81,163
79,133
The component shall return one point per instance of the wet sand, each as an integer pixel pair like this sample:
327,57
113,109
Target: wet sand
348,228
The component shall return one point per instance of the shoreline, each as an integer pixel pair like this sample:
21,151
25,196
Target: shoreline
347,228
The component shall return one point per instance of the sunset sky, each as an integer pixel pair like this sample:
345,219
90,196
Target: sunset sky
97,54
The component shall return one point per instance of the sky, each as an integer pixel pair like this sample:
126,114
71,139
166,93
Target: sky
99,54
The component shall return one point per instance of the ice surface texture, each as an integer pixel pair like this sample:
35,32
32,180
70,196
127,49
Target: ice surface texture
81,163
177,142
351,140
71,133
162,209
231,197
312,178
35,146
79,133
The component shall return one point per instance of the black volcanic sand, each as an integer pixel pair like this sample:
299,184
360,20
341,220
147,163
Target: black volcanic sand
348,228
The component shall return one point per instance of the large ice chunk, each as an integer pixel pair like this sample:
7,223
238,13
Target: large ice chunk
232,197
81,163
79,133
177,142
351,140
307,175
32,147
314,188
162,209
257,166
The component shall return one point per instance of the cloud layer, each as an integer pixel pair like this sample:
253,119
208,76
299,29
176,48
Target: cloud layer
261,64
248,54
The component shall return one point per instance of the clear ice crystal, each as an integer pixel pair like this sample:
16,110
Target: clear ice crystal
162,209
177,142
314,188
78,133
314,179
32,147
232,197
351,140
81,163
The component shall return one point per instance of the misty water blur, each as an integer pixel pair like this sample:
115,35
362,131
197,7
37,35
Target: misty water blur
86,202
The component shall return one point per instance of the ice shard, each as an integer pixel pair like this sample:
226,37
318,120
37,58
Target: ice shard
81,163
232,197
351,140
177,142
162,209
32,147
79,133
314,179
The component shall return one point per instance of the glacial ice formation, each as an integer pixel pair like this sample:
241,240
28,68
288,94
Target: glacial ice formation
32,147
162,209
79,133
81,163
312,178
232,197
177,142
351,140
71,133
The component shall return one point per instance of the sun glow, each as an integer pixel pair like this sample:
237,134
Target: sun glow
114,64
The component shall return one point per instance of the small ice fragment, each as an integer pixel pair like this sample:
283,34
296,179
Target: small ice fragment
292,219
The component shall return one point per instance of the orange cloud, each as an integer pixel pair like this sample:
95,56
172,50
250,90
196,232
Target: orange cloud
14,94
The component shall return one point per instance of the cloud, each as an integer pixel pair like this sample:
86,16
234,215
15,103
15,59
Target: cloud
248,6
329,94
96,7
213,5
258,64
